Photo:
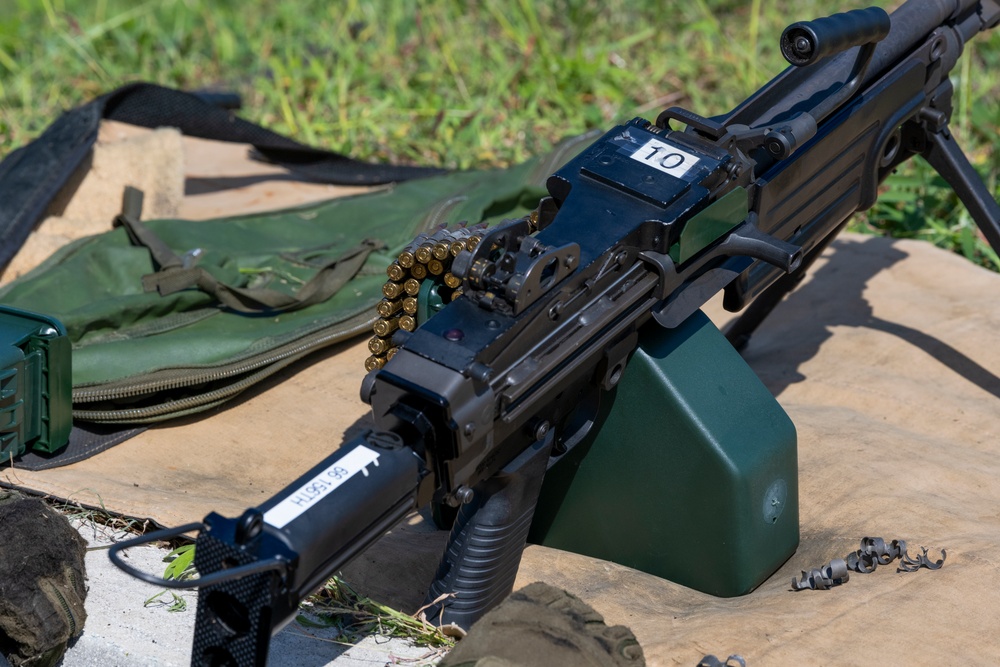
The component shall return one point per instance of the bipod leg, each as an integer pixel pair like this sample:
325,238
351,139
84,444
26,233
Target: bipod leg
948,159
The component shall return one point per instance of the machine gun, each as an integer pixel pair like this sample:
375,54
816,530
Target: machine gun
639,230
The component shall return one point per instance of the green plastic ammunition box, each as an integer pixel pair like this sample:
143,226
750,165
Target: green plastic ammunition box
691,473
36,410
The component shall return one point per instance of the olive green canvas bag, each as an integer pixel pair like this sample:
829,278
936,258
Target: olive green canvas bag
173,317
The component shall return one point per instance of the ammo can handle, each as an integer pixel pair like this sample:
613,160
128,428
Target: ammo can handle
478,567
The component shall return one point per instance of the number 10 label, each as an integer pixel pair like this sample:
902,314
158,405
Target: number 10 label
665,157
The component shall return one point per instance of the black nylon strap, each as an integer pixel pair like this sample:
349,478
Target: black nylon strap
85,440
149,105
31,176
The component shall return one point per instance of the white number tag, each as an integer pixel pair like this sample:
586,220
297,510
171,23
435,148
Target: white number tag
665,157
320,486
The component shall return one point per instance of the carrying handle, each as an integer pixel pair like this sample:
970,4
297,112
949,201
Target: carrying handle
806,42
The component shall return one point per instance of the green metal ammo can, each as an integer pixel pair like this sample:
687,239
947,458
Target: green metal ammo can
36,409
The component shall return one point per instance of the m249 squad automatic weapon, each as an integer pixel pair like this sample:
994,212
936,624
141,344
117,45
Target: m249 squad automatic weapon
474,405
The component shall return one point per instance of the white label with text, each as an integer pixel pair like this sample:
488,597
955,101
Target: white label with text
320,486
665,157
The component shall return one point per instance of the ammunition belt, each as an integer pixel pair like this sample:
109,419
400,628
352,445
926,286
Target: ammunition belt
427,258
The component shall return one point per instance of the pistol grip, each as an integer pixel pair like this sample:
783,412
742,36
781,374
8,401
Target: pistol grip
484,549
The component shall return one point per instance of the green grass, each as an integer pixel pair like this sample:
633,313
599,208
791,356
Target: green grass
454,83
354,616
96,516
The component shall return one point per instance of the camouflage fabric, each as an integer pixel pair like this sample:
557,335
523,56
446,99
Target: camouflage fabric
42,578
541,625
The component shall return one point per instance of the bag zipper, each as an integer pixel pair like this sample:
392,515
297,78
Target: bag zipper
259,367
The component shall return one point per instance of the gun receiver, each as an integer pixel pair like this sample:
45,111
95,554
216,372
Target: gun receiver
646,224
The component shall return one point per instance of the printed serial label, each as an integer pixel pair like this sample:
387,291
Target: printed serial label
665,157
321,486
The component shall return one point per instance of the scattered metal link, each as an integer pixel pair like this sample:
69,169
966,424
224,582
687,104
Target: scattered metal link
873,552
909,564
427,257
731,661
832,574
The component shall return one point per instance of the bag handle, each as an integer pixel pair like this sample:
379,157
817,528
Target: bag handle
174,274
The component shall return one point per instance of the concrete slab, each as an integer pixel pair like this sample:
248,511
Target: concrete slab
122,630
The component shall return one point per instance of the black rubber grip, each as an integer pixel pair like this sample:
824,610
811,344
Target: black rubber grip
478,568
807,42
